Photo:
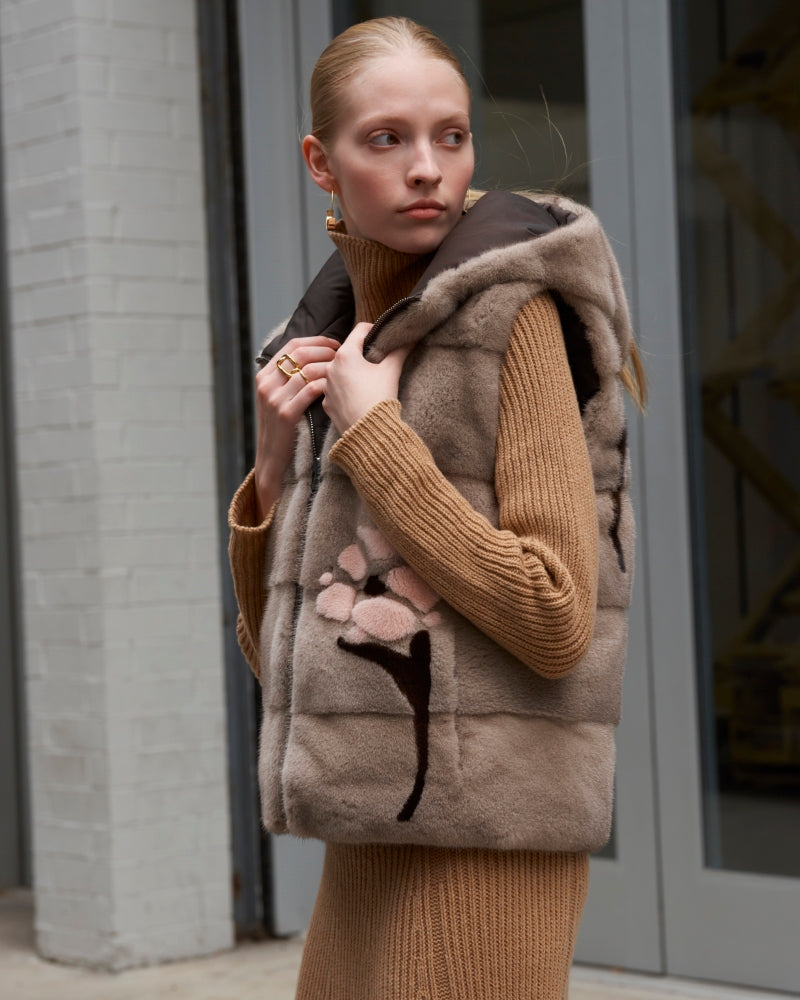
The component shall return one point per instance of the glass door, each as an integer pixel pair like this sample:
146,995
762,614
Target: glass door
733,904
712,257
740,246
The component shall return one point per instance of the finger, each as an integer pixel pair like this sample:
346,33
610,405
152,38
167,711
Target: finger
295,361
316,370
307,346
297,342
399,354
318,340
303,381
395,360
279,371
357,336
306,375
307,349
299,396
274,388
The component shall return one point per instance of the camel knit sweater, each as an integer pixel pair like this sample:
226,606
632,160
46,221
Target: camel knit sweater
401,922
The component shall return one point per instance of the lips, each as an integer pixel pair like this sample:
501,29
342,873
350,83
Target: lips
424,208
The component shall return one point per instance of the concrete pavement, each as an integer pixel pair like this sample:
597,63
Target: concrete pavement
265,970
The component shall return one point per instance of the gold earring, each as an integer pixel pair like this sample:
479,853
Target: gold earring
330,218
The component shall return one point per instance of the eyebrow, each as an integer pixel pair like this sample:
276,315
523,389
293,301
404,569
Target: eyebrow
394,119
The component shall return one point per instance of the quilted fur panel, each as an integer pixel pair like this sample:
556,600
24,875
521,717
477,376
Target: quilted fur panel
490,681
499,781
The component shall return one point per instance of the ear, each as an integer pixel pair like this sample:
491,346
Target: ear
317,162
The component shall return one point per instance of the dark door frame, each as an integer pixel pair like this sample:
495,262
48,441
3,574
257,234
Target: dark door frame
217,30
15,830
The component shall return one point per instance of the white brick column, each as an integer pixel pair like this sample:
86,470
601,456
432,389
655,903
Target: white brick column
113,390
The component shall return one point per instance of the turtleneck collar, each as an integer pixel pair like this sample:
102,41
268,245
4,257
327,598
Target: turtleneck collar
379,275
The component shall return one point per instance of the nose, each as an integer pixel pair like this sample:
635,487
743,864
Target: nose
424,169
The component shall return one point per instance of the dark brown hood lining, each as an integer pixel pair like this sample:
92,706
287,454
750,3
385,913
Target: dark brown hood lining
498,219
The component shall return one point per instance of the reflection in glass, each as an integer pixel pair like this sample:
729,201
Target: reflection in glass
738,132
532,102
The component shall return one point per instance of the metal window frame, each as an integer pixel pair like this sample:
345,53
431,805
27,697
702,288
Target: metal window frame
15,831
286,241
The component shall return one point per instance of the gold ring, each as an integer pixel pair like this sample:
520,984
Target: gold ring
294,370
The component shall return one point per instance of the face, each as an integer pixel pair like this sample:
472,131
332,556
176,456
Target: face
402,159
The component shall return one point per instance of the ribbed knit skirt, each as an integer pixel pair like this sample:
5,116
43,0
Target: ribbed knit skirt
421,923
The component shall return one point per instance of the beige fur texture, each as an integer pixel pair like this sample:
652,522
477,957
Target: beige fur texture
515,760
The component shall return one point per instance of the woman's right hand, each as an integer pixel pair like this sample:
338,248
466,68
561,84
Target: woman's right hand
280,403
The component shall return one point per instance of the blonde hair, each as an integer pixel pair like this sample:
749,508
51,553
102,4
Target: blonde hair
634,377
346,54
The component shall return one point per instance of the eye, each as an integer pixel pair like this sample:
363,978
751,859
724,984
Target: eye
454,138
383,139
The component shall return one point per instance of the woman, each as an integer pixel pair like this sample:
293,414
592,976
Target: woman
432,554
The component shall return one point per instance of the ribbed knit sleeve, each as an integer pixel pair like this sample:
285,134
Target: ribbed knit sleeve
531,583
247,548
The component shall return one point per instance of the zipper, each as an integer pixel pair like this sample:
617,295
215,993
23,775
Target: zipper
316,462
388,314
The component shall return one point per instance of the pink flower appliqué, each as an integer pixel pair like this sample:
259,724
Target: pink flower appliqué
390,609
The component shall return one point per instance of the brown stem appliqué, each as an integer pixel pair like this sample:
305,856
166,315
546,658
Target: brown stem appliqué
412,674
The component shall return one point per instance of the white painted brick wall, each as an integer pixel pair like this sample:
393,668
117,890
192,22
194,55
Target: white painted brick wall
113,391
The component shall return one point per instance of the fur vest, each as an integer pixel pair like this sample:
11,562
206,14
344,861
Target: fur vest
388,717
